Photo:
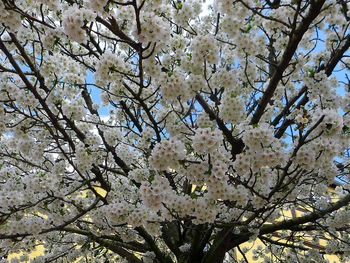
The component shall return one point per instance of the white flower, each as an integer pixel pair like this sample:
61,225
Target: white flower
185,247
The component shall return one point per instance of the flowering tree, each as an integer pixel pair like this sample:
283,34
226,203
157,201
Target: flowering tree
219,122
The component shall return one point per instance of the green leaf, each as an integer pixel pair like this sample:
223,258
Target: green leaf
193,195
311,73
329,126
88,151
151,178
248,29
209,171
62,212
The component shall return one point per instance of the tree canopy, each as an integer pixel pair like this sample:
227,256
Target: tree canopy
174,131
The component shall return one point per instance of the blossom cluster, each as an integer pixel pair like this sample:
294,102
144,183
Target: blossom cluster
167,154
207,141
9,17
205,48
74,19
108,67
232,108
173,85
153,29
